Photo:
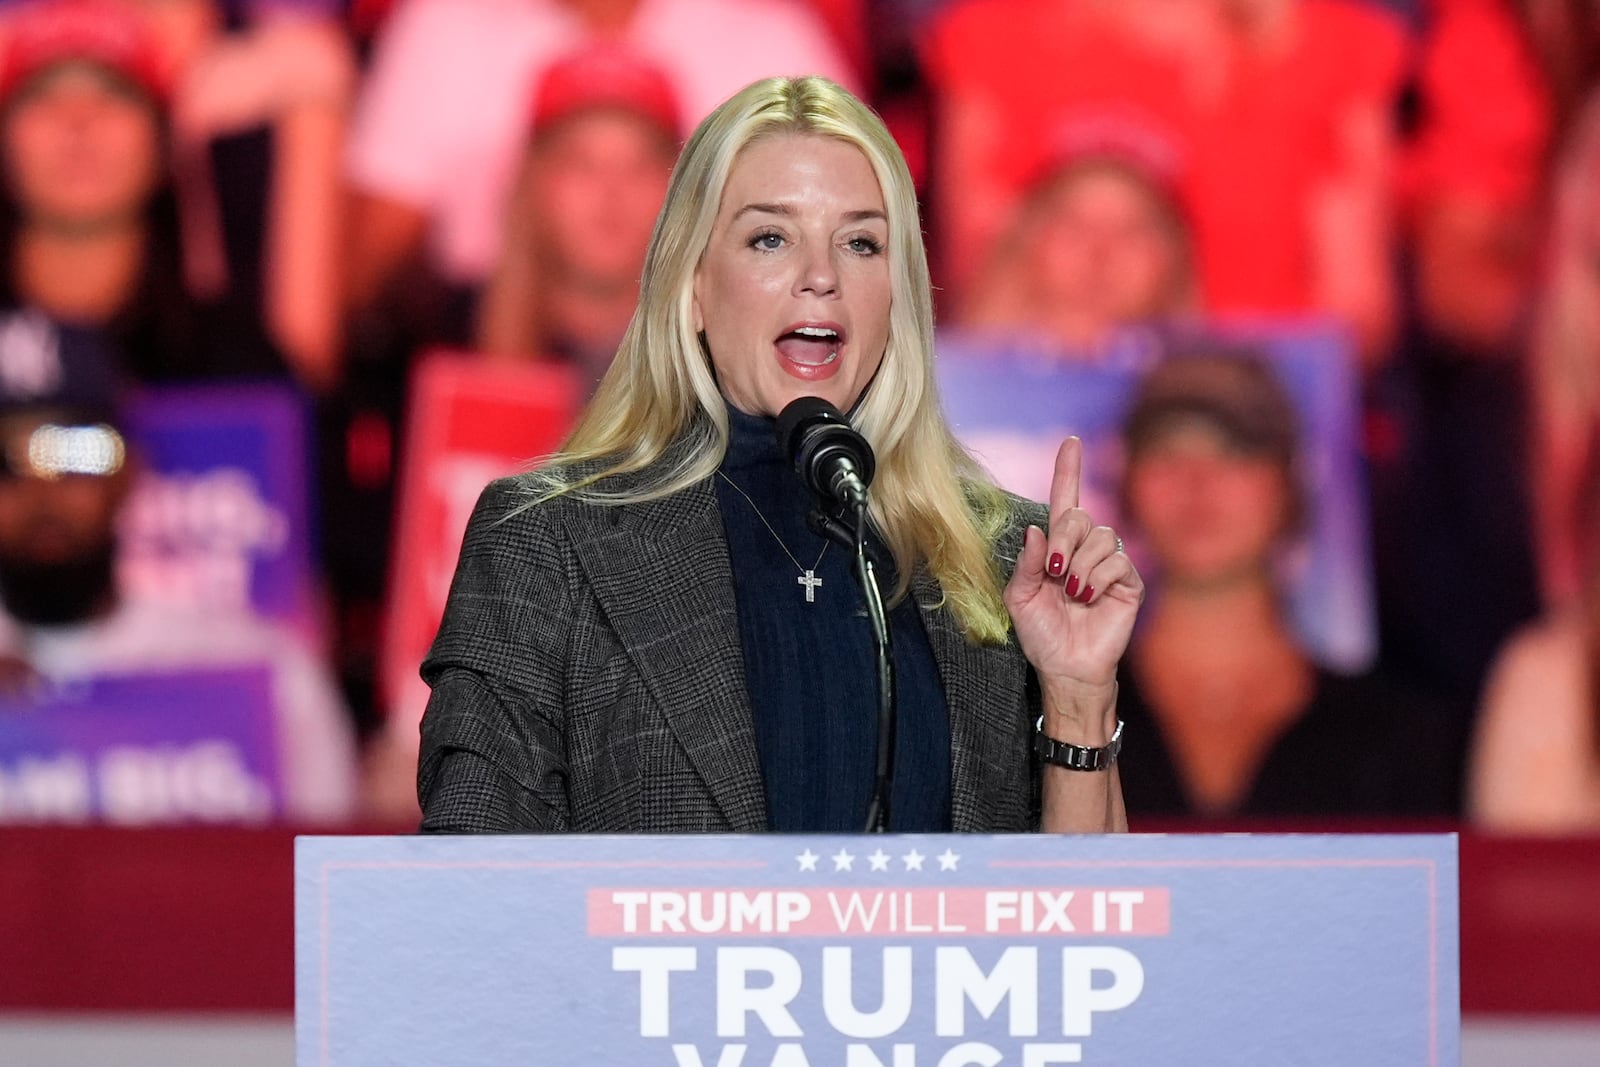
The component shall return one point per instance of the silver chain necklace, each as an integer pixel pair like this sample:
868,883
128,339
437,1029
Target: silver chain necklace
809,577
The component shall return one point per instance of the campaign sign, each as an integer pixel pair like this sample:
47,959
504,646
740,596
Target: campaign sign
218,519
196,746
471,421
864,951
1012,399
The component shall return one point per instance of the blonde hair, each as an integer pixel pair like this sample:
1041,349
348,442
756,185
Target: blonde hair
931,503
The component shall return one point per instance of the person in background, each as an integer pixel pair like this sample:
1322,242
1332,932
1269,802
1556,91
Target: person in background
66,474
605,134
261,95
1565,364
1281,108
1536,757
1234,717
1453,425
89,229
1100,242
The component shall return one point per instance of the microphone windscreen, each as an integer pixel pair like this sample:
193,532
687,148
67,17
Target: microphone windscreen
817,439
800,415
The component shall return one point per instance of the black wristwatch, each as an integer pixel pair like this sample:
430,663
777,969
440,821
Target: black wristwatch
1075,757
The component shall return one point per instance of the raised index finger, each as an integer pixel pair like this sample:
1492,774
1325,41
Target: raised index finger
1067,478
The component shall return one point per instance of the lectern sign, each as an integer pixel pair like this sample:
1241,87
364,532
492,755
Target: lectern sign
948,951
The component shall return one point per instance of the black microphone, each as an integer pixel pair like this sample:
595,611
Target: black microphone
834,461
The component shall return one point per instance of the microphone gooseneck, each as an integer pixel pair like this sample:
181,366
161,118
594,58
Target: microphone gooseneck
837,465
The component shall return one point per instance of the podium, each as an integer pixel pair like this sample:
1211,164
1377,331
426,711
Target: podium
877,951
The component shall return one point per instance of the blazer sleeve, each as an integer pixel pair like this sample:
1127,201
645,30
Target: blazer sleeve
493,754
1027,513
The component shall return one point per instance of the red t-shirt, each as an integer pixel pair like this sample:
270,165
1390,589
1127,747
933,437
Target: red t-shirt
1266,146
1485,109
1046,64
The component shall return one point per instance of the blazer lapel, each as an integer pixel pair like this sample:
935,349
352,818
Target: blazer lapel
661,572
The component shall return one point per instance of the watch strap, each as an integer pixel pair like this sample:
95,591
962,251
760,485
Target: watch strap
1076,757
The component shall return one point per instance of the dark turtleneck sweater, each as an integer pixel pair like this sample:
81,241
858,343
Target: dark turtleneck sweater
811,668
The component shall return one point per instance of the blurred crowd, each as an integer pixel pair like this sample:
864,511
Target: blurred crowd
320,192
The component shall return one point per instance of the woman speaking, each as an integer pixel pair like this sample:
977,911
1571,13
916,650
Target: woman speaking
646,634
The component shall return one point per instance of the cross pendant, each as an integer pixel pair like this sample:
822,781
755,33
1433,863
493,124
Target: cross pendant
810,581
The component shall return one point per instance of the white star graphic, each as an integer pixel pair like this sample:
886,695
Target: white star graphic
913,860
808,860
948,860
842,861
879,860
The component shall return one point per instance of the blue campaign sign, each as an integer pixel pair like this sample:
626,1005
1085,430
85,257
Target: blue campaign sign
894,951
219,519
1012,400
194,746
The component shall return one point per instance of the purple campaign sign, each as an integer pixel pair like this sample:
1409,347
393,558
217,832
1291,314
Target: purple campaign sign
219,518
1012,401
143,749
894,951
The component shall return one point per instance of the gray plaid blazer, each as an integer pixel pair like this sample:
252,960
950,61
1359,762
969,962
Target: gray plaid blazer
587,677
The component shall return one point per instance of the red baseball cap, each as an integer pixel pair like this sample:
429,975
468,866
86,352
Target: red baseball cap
609,76
43,33
1115,135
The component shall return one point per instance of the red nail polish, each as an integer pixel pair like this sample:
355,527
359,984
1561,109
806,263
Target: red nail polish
1088,593
1057,561
1072,585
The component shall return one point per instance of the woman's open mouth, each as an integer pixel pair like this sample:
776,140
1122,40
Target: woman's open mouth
810,350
